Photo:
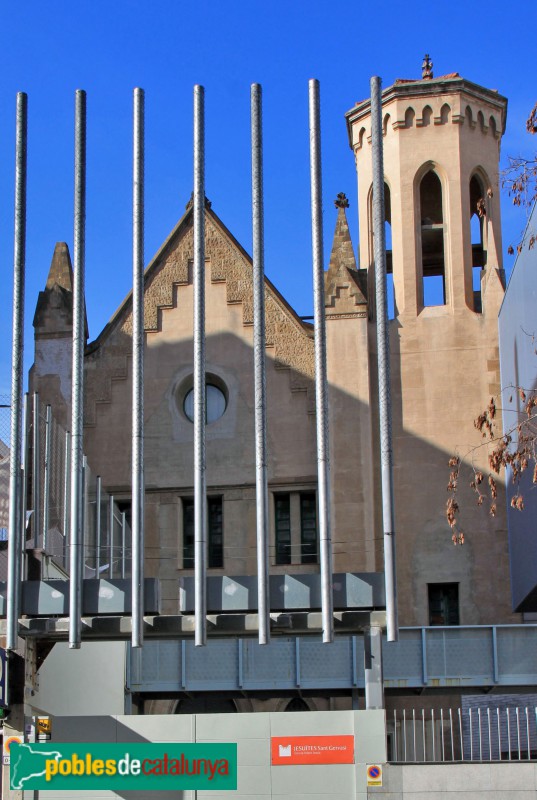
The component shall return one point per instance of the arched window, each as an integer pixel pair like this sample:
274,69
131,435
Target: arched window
492,125
481,120
409,117
361,137
390,289
432,240
477,223
445,111
426,116
385,124
469,116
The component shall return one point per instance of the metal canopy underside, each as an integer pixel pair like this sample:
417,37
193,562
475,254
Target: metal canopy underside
117,628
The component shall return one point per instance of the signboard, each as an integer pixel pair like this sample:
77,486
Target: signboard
3,678
374,774
7,747
43,728
291,750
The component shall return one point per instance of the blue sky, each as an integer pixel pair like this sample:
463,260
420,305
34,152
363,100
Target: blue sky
108,47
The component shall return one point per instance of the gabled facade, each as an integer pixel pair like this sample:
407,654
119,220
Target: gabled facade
441,151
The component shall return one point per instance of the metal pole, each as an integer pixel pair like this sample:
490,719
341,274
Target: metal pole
98,492
77,534
36,470
66,495
321,383
46,476
111,527
263,601
17,354
137,373
200,486
383,347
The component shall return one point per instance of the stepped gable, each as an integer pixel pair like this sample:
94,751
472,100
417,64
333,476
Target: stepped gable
290,338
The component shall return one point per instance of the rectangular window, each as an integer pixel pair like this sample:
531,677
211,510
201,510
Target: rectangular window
443,604
215,556
295,526
308,528
282,513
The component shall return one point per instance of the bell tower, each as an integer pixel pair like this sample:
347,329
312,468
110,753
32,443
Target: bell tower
441,139
441,152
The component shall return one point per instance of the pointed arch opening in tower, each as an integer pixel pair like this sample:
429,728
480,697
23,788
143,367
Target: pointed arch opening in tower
433,261
445,111
390,289
426,115
477,223
409,117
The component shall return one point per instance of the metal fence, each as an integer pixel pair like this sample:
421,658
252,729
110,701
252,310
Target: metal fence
46,500
490,733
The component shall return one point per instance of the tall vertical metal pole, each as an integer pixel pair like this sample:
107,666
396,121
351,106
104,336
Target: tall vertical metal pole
36,469
321,381
77,403
137,373
260,387
17,353
383,347
200,487
123,543
46,476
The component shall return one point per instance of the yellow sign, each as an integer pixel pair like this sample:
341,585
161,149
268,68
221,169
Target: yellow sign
43,725
374,774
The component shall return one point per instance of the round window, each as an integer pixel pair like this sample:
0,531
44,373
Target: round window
215,403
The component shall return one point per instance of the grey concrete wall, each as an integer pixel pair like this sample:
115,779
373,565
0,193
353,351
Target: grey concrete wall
252,733
513,781
92,680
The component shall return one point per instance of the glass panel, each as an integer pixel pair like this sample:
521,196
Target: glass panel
443,604
188,534
216,538
282,509
215,404
308,528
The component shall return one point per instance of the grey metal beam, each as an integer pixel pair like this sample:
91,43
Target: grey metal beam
173,626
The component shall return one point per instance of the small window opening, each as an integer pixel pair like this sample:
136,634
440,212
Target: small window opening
443,603
282,512
409,117
477,221
215,541
390,289
432,241
444,114
426,116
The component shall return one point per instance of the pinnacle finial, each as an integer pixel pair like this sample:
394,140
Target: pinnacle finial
341,201
427,68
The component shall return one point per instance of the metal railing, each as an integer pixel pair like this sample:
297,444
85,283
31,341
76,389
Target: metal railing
46,499
292,663
490,733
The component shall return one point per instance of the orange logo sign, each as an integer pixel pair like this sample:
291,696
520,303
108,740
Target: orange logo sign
290,750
